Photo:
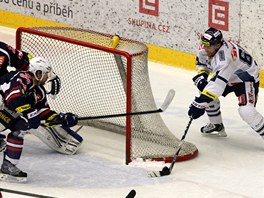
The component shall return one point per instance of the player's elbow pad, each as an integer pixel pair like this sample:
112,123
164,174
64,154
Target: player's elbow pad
200,82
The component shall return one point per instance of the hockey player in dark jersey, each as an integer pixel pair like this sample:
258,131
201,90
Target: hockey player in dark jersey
10,56
19,60
14,59
25,105
234,70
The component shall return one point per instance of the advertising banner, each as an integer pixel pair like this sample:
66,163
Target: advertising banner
171,24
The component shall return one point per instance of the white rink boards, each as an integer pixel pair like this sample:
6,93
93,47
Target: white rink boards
226,167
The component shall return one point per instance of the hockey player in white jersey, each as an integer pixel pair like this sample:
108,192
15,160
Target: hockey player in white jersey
233,70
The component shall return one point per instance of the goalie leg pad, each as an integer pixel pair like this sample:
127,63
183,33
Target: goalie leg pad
60,139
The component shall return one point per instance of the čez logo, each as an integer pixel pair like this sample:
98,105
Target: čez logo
150,7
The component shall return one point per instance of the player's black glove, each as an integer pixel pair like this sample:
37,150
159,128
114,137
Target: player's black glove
197,108
200,80
65,119
69,119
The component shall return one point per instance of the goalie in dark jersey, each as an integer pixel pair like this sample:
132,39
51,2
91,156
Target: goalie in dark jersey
10,56
14,59
25,105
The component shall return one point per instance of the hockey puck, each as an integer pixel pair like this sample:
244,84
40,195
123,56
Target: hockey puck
131,194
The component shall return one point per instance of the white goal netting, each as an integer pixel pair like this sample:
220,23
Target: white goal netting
99,80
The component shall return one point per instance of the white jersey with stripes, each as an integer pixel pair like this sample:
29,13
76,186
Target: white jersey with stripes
230,65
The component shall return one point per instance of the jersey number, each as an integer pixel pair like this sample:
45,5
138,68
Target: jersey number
244,56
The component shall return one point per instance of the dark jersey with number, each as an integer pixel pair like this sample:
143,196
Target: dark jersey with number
20,94
10,56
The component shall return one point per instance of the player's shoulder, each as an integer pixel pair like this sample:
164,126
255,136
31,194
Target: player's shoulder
24,76
225,51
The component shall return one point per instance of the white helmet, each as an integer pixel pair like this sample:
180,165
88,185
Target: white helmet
39,64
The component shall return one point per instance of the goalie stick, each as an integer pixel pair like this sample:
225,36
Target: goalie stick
167,171
163,107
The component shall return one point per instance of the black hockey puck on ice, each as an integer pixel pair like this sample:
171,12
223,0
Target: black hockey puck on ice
165,171
131,194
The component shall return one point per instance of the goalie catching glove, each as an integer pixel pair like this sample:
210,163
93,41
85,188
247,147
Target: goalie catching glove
65,119
53,86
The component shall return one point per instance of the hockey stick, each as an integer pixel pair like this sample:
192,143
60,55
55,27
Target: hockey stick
23,193
131,194
163,107
166,170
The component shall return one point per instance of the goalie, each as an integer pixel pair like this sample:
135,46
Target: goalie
25,105
54,137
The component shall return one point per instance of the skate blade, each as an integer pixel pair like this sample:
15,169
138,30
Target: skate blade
13,179
216,134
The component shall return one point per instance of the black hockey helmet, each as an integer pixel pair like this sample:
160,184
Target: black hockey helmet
212,36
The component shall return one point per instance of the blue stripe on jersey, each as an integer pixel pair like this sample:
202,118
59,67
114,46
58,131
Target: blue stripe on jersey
221,78
244,76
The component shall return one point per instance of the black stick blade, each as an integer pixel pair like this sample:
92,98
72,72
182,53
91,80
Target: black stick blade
165,171
131,194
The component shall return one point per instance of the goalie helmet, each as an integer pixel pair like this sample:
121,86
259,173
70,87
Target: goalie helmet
211,37
39,64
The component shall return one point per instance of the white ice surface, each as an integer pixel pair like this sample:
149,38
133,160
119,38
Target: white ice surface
230,167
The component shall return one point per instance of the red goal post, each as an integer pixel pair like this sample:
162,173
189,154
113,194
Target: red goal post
100,80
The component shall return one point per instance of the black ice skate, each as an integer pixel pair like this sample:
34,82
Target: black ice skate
9,172
214,130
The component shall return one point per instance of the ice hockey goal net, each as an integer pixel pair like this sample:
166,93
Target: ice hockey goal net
100,80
